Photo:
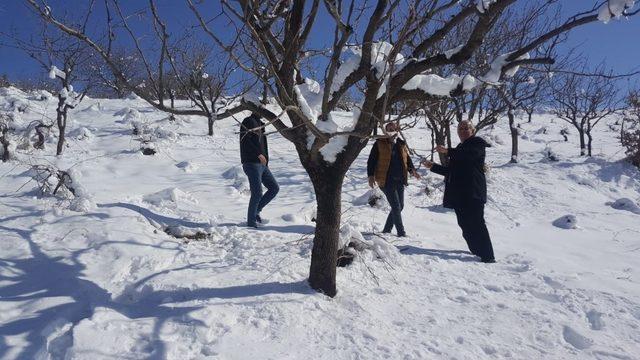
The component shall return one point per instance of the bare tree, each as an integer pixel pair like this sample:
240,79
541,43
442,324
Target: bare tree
5,127
401,68
62,58
520,93
630,129
583,101
4,81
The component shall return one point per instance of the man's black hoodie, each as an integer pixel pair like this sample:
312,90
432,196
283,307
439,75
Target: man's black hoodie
253,142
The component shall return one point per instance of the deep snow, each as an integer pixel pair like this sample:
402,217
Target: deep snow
107,282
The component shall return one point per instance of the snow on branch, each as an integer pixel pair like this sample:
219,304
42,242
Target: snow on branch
614,9
438,86
55,72
483,5
497,66
380,62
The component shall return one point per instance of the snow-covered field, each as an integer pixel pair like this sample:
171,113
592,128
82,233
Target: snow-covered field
106,282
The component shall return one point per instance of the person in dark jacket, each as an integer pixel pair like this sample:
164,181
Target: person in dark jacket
389,165
466,188
254,154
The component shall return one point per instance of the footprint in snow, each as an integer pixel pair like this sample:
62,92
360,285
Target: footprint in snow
576,339
595,319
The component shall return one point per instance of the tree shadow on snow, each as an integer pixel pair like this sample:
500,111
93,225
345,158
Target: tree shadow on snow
459,255
154,219
43,277
290,229
286,229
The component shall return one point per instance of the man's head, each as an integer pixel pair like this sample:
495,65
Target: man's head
466,129
392,129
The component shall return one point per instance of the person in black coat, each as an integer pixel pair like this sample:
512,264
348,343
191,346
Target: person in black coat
254,155
466,188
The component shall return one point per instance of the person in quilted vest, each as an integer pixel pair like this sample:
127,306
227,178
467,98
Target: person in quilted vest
389,166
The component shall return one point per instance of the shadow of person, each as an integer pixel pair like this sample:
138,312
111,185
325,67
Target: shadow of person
459,255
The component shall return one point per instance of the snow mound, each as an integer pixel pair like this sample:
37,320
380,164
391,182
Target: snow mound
240,182
494,139
542,130
549,155
348,233
123,111
14,103
232,172
294,218
93,108
82,204
40,95
160,133
308,212
582,180
188,166
625,204
169,196
180,231
373,197
81,133
133,96
566,222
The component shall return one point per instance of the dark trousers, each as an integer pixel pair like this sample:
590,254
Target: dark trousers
394,191
258,175
474,230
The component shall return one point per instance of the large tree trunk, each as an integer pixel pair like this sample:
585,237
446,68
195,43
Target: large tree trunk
328,188
5,145
61,119
210,121
514,136
582,142
442,139
42,137
589,143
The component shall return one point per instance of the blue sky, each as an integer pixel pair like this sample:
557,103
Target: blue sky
616,43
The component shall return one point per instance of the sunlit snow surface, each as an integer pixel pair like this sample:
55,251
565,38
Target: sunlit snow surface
107,282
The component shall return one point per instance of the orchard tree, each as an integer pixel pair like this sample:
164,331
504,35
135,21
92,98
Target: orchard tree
583,100
383,50
63,58
630,129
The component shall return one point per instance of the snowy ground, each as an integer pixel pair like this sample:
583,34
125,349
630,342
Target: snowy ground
107,282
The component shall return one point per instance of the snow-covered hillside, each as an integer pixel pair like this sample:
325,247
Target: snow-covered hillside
98,278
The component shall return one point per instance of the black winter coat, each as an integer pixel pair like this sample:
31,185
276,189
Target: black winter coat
252,142
465,181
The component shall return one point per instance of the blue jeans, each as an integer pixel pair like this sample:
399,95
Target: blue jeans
394,190
259,174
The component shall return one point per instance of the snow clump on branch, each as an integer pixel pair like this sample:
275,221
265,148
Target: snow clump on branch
614,8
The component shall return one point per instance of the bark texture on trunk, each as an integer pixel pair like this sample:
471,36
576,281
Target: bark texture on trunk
582,143
514,137
210,121
62,123
328,189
